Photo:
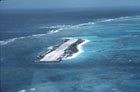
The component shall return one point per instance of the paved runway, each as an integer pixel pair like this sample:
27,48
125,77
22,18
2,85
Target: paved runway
58,52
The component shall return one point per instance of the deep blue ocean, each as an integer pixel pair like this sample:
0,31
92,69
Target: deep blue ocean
110,61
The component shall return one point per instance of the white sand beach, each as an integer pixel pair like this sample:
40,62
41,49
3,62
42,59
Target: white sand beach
80,50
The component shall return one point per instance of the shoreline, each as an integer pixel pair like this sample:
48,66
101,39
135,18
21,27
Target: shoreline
80,50
68,49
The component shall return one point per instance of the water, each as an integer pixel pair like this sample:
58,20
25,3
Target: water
110,61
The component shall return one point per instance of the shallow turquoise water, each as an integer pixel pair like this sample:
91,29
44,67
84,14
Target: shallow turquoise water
110,61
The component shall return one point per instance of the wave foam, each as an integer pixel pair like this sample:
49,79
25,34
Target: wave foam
4,42
27,90
59,28
70,26
22,90
35,35
107,20
85,24
53,31
55,27
124,17
10,40
32,89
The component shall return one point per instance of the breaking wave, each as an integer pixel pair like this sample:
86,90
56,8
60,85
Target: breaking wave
22,90
4,42
28,90
107,20
53,31
58,28
10,40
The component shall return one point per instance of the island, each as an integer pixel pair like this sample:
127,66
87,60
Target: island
64,50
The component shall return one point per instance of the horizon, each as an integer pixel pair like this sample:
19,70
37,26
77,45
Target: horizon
60,4
75,9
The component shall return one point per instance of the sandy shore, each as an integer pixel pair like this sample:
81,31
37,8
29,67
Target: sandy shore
80,50
62,53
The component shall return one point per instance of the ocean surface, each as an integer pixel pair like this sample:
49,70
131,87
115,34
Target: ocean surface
110,61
